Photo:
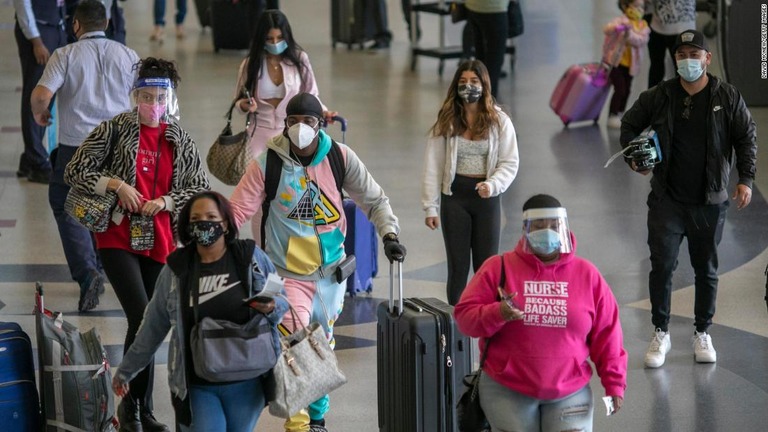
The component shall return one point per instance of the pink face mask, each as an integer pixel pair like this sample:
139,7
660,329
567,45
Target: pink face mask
151,112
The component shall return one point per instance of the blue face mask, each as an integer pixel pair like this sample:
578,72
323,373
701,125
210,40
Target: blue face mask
544,241
276,49
690,69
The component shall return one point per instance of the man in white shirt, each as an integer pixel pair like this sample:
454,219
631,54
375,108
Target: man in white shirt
92,79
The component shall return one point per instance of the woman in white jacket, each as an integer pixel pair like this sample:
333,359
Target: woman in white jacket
471,158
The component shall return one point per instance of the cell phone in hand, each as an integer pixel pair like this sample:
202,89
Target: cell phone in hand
247,94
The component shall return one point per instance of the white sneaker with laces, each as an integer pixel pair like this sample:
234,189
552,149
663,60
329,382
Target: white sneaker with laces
703,350
658,349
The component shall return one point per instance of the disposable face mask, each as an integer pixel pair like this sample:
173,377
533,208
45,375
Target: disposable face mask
205,233
690,69
276,49
151,112
470,93
301,135
633,13
544,241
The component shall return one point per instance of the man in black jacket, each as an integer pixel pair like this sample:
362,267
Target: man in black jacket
701,122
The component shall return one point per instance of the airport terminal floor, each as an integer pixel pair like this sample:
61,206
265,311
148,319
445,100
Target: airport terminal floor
390,108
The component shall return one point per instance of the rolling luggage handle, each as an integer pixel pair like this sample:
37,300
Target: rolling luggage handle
399,310
343,125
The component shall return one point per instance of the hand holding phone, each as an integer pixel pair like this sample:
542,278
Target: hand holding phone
512,311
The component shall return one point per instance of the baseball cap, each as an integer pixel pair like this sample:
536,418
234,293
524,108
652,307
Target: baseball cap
304,104
693,38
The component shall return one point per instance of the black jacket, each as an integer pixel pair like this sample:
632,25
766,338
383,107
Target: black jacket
731,130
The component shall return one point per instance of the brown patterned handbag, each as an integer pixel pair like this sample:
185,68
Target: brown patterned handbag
230,154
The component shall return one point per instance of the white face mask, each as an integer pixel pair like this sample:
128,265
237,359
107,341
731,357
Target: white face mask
301,135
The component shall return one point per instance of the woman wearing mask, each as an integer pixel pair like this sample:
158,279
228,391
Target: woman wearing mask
471,158
155,168
212,252
540,311
276,69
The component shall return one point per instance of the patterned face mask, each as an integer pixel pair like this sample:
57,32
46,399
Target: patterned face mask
205,233
470,93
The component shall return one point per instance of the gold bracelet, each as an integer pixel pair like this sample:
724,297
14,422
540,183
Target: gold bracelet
121,185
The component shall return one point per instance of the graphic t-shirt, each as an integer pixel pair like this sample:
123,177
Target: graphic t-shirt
221,295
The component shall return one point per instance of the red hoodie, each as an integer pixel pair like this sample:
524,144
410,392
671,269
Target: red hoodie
570,314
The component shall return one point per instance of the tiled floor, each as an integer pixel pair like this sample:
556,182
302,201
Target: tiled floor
389,109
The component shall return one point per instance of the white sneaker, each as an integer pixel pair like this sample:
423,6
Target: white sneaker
614,121
703,350
658,349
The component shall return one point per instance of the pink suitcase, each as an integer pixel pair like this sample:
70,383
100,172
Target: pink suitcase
581,93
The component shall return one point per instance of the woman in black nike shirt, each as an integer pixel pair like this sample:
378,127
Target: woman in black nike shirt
220,271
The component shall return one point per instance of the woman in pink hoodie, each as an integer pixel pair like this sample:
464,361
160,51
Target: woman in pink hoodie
553,312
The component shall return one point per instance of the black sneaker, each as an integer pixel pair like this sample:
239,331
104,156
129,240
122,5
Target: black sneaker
38,176
89,292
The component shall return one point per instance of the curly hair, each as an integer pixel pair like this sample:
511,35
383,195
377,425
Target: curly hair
151,67
451,120
271,19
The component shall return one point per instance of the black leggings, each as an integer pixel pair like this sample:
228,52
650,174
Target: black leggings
658,46
471,225
133,278
490,31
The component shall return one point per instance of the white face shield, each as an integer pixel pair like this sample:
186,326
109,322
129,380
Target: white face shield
155,100
546,231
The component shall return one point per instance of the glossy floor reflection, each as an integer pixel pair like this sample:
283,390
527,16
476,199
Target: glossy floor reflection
390,108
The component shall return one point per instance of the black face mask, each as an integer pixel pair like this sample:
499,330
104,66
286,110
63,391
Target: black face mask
205,233
470,93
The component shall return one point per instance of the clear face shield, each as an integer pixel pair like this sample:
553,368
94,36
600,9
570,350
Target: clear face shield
546,231
155,100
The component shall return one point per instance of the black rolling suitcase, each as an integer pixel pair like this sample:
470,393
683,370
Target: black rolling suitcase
745,55
352,22
203,12
232,23
421,359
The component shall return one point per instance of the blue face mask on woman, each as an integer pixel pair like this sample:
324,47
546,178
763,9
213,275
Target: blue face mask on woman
690,69
544,241
276,49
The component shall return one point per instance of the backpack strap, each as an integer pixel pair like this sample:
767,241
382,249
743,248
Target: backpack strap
273,171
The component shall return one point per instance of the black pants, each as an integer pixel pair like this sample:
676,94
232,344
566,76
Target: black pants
490,31
668,222
133,278
658,46
471,227
622,84
35,156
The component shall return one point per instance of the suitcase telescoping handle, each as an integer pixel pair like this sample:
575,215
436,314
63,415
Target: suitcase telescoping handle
342,123
399,309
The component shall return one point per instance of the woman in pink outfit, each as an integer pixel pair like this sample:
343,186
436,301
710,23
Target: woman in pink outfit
553,312
276,70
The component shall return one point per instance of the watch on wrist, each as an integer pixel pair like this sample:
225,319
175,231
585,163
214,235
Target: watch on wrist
390,237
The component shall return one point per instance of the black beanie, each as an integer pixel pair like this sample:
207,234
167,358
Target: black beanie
304,104
541,201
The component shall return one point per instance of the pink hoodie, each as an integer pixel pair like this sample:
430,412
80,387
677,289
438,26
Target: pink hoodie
570,315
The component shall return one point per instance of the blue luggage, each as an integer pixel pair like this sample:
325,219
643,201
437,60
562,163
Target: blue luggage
19,408
361,242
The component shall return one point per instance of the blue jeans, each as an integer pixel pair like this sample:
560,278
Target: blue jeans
226,407
77,241
510,411
181,12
